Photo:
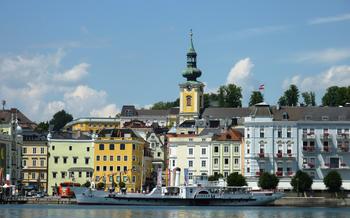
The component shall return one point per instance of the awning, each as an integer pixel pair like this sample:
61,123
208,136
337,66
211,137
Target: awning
80,169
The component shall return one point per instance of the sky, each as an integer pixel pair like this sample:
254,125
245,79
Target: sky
92,57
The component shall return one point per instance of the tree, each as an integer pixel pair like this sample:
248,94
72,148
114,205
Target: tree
336,96
165,105
60,119
290,97
333,181
235,179
229,96
122,184
215,177
42,127
255,98
268,181
301,182
309,98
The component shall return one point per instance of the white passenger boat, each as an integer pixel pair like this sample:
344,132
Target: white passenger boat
180,196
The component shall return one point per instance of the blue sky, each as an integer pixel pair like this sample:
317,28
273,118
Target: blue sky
92,57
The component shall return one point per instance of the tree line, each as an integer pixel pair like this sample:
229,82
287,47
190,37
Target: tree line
230,95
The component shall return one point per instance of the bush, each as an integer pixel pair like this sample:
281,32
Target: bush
215,177
301,182
100,186
235,179
87,184
122,185
268,181
333,181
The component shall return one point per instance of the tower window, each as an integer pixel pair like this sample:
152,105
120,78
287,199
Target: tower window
188,100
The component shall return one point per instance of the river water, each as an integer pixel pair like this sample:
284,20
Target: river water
76,211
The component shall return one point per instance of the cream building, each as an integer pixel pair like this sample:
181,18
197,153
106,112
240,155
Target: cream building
71,159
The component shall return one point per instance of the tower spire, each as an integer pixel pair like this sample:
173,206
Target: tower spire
191,72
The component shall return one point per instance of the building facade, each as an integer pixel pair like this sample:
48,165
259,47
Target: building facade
121,155
71,159
34,161
92,124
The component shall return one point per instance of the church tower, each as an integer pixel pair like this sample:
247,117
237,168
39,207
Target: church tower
191,91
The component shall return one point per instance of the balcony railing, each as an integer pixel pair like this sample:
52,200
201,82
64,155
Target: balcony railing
326,149
309,166
325,136
279,155
262,155
309,148
279,173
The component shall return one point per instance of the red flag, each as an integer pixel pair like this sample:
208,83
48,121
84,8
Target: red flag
261,87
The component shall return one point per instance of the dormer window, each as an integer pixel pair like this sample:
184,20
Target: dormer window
285,116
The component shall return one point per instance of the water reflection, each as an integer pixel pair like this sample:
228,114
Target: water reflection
75,211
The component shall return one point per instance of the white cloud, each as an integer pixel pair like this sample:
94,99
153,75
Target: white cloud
331,19
38,86
335,76
325,56
74,74
108,111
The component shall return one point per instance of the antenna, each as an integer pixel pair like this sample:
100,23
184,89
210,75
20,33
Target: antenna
3,104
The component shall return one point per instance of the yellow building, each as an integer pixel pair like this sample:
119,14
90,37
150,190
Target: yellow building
191,91
121,155
34,161
93,124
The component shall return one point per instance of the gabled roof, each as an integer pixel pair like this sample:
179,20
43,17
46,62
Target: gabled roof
24,122
128,111
228,135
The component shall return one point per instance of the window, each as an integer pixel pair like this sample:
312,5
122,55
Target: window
71,175
104,158
125,168
125,158
248,170
118,158
158,154
63,175
111,168
289,132
104,168
133,179
88,174
204,151
87,149
111,146
75,160
188,101
226,161
190,163
42,163
42,150
133,147
53,147
34,150
102,147
118,168
80,174
24,151
236,160
54,175
190,151
111,158
24,163
236,149
87,160
204,163
98,158
134,157
279,133
226,149
190,175
216,161
216,149
70,148
34,162
262,133
65,160
55,160
122,146
225,174
173,163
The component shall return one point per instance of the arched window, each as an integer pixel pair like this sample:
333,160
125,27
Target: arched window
188,100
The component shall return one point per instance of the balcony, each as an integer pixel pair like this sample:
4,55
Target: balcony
309,166
326,149
279,155
290,173
343,148
308,136
279,173
309,149
342,136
